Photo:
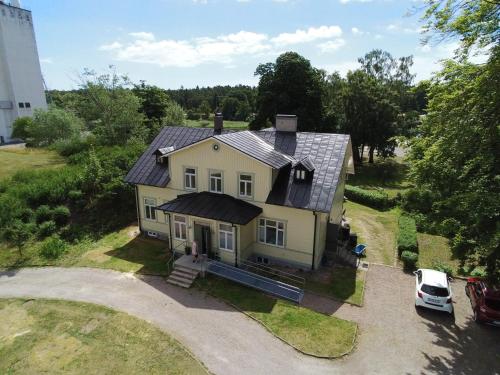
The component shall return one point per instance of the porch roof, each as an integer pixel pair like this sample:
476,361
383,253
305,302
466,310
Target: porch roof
220,207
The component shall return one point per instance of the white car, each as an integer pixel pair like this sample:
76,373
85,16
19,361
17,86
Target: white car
433,290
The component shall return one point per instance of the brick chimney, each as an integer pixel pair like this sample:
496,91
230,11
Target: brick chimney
286,123
218,123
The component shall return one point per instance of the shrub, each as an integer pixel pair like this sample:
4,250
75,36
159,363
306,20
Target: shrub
449,227
43,213
68,147
20,127
478,272
47,228
61,215
407,236
75,195
52,125
442,267
26,215
409,259
53,247
371,198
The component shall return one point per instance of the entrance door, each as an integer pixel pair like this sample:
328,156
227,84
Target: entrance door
202,235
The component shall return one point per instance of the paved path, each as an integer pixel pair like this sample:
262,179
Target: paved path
394,338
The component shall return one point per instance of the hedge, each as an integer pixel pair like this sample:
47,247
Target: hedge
372,198
407,236
409,259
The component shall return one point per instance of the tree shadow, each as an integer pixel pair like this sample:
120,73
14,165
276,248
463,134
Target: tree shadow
472,348
386,174
151,254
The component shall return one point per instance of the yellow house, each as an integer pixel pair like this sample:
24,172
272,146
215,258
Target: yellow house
270,196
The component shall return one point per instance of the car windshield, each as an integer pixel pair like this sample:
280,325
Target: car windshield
435,290
493,304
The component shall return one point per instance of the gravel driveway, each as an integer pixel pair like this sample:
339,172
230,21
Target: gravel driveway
394,339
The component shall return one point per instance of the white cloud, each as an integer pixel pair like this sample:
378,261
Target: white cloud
331,45
111,47
184,53
398,28
46,60
356,31
309,35
143,47
143,35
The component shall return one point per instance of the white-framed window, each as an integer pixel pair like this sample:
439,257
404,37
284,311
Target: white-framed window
245,183
180,227
272,232
190,178
300,174
149,209
226,237
215,183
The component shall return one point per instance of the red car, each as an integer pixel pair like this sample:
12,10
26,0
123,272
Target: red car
485,301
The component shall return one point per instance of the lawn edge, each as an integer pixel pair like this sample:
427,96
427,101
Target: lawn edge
347,352
178,342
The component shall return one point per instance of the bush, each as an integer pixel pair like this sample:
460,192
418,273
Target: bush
442,267
47,228
43,213
371,198
53,247
68,147
26,215
61,215
409,259
407,236
75,195
20,127
52,125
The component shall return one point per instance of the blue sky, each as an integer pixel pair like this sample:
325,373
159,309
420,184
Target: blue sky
171,43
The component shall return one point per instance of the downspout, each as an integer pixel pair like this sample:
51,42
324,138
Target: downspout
235,245
137,208
314,241
170,240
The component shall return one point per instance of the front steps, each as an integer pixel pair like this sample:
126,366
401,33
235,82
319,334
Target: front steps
182,276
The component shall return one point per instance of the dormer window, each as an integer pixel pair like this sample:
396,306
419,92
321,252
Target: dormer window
304,169
300,174
161,155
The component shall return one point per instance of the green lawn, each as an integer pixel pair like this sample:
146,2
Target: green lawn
389,174
307,330
236,125
343,283
376,229
15,159
122,251
53,336
434,249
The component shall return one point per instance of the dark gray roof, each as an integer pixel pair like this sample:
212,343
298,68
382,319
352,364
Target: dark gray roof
325,152
307,163
146,172
220,207
256,147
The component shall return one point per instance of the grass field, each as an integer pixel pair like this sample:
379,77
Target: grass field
236,125
376,229
15,159
52,336
121,251
390,175
307,330
434,249
343,283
